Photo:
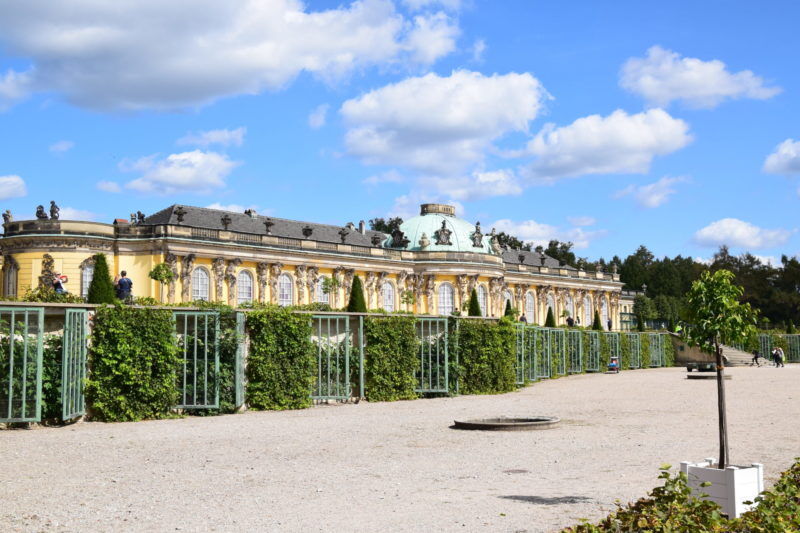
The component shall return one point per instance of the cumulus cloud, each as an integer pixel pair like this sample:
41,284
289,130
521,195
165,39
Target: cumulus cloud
663,76
653,194
582,221
541,234
70,213
188,53
416,5
617,143
478,49
194,172
61,146
12,186
785,159
440,125
235,208
407,205
317,118
390,176
222,137
109,186
735,232
478,185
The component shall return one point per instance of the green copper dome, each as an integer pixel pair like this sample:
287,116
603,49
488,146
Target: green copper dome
437,229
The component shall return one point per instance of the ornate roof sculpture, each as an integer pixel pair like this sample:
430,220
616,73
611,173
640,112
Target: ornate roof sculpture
450,233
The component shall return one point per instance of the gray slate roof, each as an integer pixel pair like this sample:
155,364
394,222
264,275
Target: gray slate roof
532,259
202,217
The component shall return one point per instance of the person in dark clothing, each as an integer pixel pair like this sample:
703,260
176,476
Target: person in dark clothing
124,286
779,357
756,355
609,324
570,321
58,283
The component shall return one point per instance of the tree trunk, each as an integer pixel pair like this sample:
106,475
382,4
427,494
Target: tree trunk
724,456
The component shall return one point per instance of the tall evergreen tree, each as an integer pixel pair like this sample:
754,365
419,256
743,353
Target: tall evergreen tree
101,289
639,323
509,310
596,324
357,304
474,306
550,321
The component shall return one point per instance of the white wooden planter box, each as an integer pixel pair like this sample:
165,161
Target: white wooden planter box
730,487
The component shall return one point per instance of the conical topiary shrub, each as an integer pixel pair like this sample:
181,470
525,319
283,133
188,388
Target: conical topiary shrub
596,324
509,310
550,321
790,329
474,308
101,289
639,323
357,304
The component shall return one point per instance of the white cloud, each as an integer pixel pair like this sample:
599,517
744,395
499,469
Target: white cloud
70,213
541,234
478,49
653,194
664,76
194,172
235,208
785,159
582,221
12,187
62,146
109,186
416,5
407,205
222,137
317,118
768,259
479,185
440,125
618,143
735,232
187,53
14,87
390,176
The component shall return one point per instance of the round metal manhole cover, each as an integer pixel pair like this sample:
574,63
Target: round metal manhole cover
508,424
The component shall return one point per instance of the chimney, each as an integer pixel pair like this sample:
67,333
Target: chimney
362,228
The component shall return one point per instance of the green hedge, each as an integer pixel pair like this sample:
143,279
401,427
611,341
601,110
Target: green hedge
282,362
390,358
134,364
487,355
51,378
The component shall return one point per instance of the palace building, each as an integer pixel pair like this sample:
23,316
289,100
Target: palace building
430,265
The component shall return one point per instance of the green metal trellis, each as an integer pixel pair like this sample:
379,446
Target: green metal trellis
543,353
73,363
793,348
521,361
432,373
635,350
198,339
612,340
765,345
656,350
575,351
241,357
531,338
592,351
21,339
333,337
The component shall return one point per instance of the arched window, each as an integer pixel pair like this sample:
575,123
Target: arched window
507,297
445,299
482,299
10,278
588,317
530,307
551,304
87,273
244,286
570,304
321,296
285,290
200,284
387,296
604,313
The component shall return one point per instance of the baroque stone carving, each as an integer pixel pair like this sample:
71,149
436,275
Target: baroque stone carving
338,277
231,279
218,269
48,271
262,275
187,266
268,223
442,235
307,231
226,221
275,270
399,239
55,211
140,217
495,242
40,214
312,278
171,261
180,212
462,282
72,244
477,236
7,217
424,241
370,281
343,234
376,239
300,282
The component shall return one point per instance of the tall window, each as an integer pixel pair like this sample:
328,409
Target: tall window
507,297
200,284
445,299
604,313
387,296
244,286
10,279
530,307
482,299
284,290
570,307
588,317
87,273
551,304
321,296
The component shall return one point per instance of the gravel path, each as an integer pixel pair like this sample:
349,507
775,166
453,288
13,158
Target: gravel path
395,466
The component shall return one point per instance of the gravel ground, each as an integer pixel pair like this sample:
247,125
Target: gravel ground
395,466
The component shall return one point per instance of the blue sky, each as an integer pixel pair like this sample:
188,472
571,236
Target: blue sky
611,124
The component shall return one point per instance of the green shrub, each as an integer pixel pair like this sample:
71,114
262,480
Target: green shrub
51,378
509,310
134,363
486,355
282,360
624,352
48,295
101,289
391,358
474,305
669,350
550,321
644,349
357,304
596,324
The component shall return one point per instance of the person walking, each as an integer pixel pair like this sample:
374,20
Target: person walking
756,355
58,283
124,286
779,357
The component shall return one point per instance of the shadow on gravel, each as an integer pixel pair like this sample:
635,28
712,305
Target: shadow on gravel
539,500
